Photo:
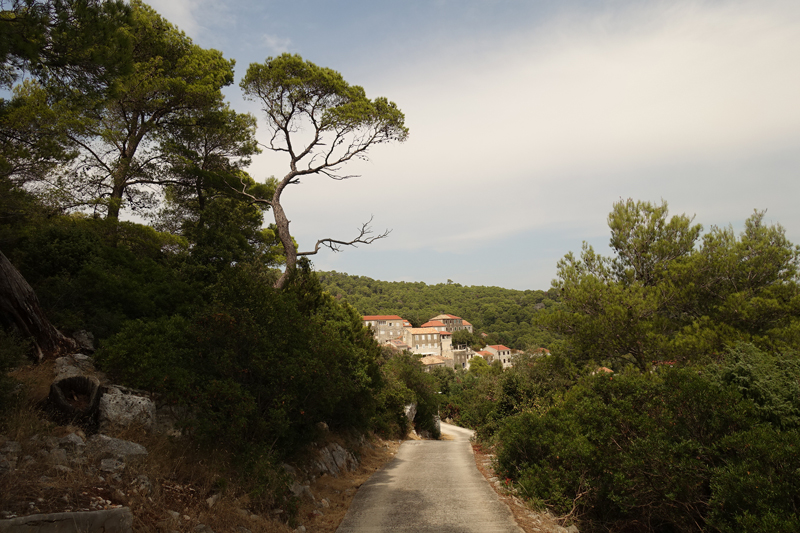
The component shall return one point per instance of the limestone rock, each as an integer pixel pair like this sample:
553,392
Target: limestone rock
74,365
111,465
123,407
116,520
411,411
106,447
334,459
72,442
85,340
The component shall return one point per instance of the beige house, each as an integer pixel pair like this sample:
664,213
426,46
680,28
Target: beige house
425,341
500,353
453,323
385,327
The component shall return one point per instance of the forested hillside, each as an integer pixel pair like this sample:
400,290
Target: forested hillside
506,315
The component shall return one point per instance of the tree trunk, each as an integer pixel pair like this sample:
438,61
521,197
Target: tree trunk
282,224
19,306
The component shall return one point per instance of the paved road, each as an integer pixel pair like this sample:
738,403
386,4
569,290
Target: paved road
429,486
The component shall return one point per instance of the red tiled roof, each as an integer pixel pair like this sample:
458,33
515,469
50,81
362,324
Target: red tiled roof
381,317
433,324
445,333
464,322
499,347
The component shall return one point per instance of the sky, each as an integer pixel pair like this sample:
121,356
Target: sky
528,119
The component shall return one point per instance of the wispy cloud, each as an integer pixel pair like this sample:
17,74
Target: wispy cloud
275,45
181,13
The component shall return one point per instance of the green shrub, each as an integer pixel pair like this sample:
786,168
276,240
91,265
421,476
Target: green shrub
770,380
258,365
409,383
677,450
95,274
757,487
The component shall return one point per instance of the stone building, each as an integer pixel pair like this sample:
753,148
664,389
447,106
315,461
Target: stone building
453,323
500,353
425,341
462,356
385,327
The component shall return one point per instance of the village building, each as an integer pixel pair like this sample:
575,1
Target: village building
435,324
435,337
488,356
398,344
385,327
462,356
500,353
453,323
446,339
425,341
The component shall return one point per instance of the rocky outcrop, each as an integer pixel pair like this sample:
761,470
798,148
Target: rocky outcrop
102,452
85,340
411,411
76,364
125,407
333,459
105,447
112,520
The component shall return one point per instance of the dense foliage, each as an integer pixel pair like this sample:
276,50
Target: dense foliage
668,295
185,308
506,315
696,428
676,450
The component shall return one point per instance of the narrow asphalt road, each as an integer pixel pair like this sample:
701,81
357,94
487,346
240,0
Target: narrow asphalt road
429,486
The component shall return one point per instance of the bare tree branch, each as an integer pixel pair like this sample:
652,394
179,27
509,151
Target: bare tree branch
364,237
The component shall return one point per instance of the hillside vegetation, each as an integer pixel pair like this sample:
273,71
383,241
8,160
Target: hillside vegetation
507,316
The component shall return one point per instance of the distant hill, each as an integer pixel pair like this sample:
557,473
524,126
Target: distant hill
504,314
